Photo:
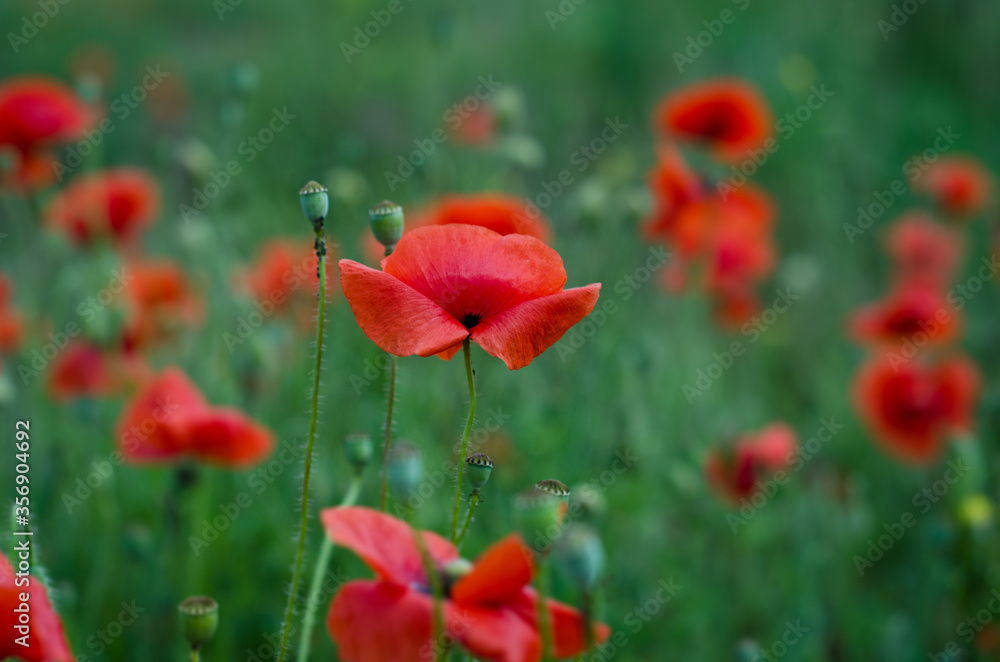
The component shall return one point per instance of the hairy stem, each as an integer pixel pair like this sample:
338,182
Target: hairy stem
473,502
467,350
384,499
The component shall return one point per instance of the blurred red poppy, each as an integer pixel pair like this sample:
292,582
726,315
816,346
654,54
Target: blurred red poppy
169,420
37,113
475,128
924,251
160,301
445,284
284,276
735,472
83,369
674,186
912,313
911,407
11,321
116,204
959,185
46,641
729,116
488,609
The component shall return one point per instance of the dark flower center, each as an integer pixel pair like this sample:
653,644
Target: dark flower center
470,320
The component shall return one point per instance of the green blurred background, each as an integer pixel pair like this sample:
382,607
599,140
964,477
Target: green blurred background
569,412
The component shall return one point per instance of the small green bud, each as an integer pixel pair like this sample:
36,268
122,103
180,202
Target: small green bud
315,204
405,468
478,468
199,619
387,224
358,449
581,554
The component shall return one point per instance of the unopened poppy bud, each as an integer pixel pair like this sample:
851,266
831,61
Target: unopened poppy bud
387,224
554,487
315,204
538,515
405,468
478,468
199,619
358,449
581,554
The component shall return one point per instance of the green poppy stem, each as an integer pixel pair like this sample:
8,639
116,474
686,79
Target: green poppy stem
434,579
467,350
384,499
544,622
286,627
473,503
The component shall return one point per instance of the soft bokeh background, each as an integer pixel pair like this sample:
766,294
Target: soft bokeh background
569,412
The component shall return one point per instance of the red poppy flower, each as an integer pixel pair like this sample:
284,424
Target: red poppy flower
959,185
674,186
116,204
747,210
913,313
489,611
502,213
11,321
445,284
46,641
161,300
284,275
911,406
735,472
170,420
924,251
37,113
728,116
475,128
85,370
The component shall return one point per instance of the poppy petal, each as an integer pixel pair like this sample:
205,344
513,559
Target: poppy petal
521,333
384,543
497,576
145,431
225,436
380,622
499,635
568,628
396,317
47,640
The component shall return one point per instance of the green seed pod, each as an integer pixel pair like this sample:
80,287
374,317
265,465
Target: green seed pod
358,449
539,516
554,487
387,224
478,468
405,468
581,553
199,619
315,204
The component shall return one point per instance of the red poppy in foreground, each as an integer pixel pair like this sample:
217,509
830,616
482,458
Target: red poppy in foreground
448,283
46,641
924,251
37,113
912,407
488,608
735,472
169,420
729,116
116,204
911,313
959,185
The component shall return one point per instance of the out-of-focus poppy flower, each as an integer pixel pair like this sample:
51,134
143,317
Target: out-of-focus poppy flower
474,128
924,251
911,313
169,420
748,208
160,301
911,407
115,204
83,369
733,306
284,275
37,113
959,185
736,471
46,641
11,321
502,213
448,283
728,116
488,608
674,186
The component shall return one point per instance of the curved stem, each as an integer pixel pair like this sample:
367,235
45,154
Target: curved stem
195,656
467,350
473,502
544,624
434,579
388,432
304,524
322,563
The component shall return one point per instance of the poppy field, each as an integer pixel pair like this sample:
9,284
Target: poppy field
417,330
